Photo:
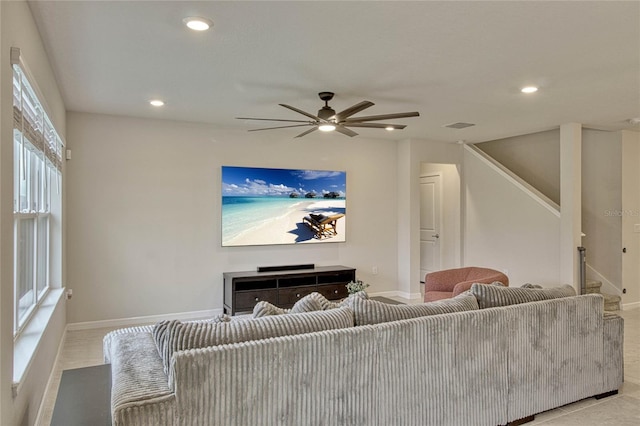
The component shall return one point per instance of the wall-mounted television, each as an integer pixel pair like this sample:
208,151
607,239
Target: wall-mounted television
262,206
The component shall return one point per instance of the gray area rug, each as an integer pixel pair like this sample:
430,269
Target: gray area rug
84,397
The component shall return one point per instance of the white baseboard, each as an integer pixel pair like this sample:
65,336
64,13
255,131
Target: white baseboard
151,319
628,306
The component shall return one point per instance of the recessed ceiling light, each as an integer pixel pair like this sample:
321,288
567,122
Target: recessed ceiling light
156,102
198,23
529,89
389,128
326,127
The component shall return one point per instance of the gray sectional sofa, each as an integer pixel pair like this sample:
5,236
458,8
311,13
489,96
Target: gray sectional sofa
397,365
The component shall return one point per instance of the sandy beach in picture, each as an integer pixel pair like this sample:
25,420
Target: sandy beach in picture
289,228
281,206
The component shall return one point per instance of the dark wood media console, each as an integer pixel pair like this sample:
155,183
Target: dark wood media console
242,290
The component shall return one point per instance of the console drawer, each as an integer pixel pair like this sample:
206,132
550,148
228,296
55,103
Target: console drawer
288,296
248,299
333,291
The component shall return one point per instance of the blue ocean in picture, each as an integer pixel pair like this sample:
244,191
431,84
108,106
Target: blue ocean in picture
246,213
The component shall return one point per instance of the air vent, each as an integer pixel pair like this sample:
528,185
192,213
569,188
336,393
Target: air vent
459,125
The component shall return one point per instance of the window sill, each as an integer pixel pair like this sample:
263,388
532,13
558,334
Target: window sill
26,344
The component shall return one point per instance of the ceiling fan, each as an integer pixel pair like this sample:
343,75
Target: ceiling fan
327,120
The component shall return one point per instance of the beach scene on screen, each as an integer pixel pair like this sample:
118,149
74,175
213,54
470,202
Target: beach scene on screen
262,206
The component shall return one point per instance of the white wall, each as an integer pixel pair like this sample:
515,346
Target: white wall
18,30
144,212
602,204
534,157
506,229
411,154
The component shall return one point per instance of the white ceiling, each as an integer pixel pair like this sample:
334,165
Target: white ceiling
451,61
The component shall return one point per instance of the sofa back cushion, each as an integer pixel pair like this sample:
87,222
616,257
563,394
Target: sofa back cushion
490,296
180,336
367,311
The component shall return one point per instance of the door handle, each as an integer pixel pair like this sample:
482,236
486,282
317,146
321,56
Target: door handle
436,236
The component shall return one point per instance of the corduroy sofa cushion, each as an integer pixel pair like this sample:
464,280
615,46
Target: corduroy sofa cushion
490,296
373,312
181,336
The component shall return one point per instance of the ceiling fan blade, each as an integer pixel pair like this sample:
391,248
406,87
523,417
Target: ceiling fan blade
274,119
313,129
345,131
376,125
299,111
279,127
382,117
353,110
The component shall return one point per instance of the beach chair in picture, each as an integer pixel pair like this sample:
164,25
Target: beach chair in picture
321,225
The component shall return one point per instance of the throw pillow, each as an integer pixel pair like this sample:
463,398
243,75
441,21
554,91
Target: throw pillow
373,312
529,285
182,336
219,318
311,302
263,309
490,296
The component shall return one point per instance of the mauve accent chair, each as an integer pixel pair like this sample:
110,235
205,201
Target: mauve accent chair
451,282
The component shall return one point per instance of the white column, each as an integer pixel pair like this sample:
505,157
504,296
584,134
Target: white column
570,202
406,207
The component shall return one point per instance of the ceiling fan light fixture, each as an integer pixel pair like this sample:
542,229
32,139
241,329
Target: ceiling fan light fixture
198,23
326,113
326,127
327,120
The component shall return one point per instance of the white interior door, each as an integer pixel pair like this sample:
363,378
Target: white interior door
430,224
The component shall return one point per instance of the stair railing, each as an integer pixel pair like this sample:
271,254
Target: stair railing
582,253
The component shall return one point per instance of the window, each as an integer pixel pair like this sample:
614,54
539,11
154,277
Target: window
37,200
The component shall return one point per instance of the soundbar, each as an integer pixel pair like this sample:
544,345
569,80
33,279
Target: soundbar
285,267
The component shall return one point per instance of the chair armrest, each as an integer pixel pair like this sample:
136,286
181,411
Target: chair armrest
442,280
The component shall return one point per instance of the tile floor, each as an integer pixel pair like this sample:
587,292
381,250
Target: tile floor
84,348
